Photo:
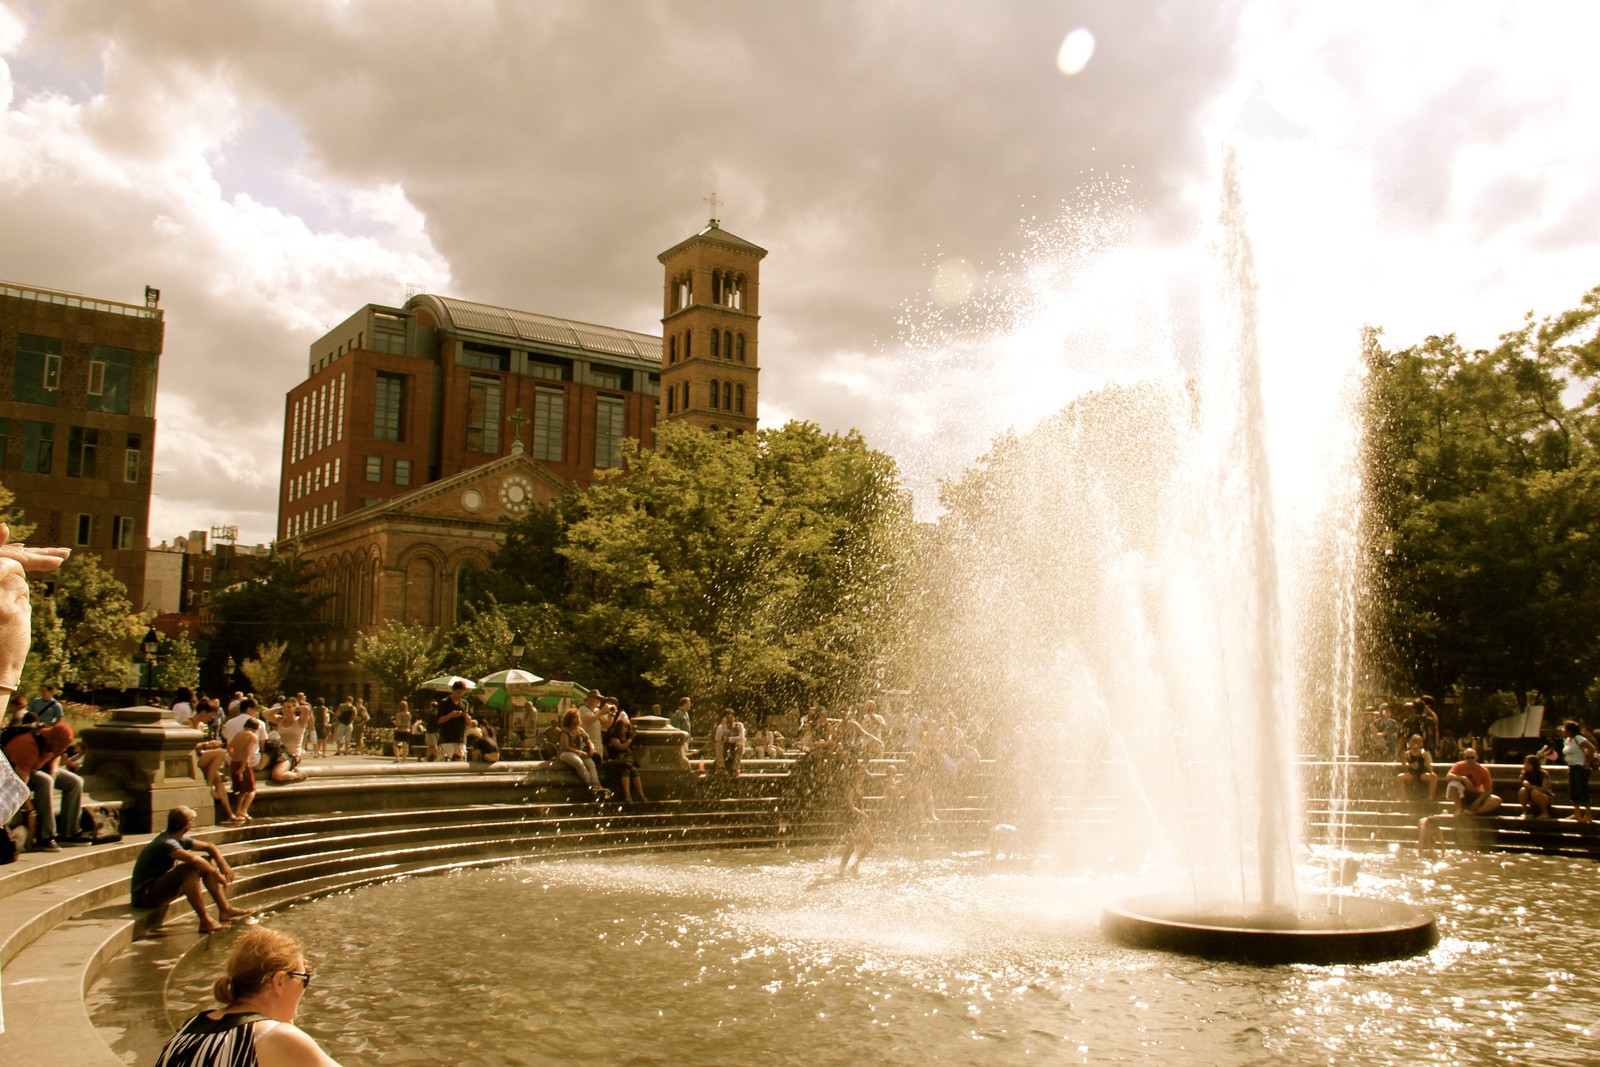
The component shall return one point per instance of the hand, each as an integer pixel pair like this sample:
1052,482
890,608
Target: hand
16,614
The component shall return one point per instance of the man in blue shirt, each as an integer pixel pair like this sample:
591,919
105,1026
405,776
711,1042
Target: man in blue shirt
44,709
175,865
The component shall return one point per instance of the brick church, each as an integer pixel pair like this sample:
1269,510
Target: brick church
419,428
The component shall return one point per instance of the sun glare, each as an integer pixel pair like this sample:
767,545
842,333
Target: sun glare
1075,51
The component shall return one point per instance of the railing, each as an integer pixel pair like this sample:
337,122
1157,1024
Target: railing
50,296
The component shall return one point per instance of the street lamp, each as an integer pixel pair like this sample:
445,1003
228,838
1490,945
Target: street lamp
518,647
151,642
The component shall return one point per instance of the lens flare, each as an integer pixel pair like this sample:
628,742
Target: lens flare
953,281
1075,52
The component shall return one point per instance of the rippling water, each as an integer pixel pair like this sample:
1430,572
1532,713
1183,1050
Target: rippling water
754,958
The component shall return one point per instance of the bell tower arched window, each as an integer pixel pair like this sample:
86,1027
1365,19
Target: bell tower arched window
738,348
738,399
672,349
672,402
716,339
727,396
713,394
727,346
686,396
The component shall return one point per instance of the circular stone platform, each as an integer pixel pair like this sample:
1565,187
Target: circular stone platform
1328,929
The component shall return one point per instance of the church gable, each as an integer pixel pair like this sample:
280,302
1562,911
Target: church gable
503,488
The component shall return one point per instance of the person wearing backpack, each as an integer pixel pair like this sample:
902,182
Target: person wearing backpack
34,752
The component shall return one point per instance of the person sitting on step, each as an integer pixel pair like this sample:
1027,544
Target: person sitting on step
1535,794
175,865
1416,768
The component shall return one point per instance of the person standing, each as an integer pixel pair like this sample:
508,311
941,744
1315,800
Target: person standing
358,727
44,709
344,723
1578,753
402,732
320,723
450,719
267,976
241,767
681,718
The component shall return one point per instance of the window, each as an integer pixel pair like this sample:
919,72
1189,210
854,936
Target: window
85,527
133,460
374,468
147,403
122,533
672,350
484,357
338,433
738,349
714,391
205,596
652,384
727,396
556,372
389,334
687,343
206,575
368,502
727,346
324,513
82,444
387,403
38,370
549,423
672,396
110,380
606,378
337,474
316,478
336,509
608,432
402,472
716,339
738,399
686,396
483,414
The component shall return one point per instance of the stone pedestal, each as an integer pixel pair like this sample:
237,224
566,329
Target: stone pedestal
662,752
151,757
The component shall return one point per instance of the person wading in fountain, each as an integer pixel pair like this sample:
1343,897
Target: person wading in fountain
260,993
858,824
175,865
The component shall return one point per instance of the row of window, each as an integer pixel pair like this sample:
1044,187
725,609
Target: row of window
108,388
317,420
123,531
725,344
84,445
484,418
723,396
727,290
316,478
402,470
309,520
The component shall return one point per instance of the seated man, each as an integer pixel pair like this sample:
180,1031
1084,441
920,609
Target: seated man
34,753
729,743
175,865
1471,787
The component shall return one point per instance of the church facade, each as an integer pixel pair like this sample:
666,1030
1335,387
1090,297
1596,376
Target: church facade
420,429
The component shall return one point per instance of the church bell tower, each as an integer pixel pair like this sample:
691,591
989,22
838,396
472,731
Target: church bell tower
708,330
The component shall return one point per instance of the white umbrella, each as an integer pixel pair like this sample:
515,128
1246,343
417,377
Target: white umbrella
447,682
509,679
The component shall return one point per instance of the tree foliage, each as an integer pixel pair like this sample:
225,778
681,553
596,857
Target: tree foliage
84,626
282,604
178,665
1486,501
400,657
267,670
768,567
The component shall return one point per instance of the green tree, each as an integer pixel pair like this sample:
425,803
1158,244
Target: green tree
400,657
84,626
481,643
1485,493
267,670
282,604
179,665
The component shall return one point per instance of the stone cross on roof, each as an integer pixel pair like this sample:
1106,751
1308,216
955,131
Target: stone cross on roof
715,203
516,422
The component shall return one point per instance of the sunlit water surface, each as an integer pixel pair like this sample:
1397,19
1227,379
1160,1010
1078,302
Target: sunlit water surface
752,958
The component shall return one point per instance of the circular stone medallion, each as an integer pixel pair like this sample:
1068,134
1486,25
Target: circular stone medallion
516,493
471,499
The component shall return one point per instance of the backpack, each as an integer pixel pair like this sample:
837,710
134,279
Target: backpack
101,824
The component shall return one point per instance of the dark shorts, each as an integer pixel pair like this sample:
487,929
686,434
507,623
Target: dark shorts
244,778
1578,786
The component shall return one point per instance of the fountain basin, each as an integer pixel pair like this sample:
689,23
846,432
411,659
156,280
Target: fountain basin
1328,929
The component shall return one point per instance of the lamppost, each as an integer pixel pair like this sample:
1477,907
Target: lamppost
151,642
227,679
518,647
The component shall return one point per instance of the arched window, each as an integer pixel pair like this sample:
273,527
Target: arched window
738,348
727,396
713,427
716,287
738,399
686,396
727,346
713,394
715,339
686,350
672,349
672,400
738,293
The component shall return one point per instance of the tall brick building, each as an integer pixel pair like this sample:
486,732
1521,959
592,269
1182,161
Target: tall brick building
419,427
77,420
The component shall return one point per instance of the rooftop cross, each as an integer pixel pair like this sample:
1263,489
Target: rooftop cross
715,203
516,422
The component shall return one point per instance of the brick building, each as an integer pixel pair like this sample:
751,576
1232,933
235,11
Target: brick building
77,420
419,427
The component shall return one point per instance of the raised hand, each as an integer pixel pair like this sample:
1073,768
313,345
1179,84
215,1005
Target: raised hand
16,614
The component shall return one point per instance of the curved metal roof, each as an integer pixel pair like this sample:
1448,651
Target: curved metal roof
538,329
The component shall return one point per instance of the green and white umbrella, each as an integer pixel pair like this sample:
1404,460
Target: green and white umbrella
446,682
512,679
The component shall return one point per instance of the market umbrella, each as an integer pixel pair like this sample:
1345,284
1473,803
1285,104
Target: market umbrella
512,679
446,682
557,689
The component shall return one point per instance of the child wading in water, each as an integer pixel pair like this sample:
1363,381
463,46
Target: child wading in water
858,826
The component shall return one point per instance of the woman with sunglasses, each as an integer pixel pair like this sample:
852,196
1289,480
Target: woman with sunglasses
260,993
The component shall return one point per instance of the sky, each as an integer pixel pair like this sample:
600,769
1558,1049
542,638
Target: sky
974,211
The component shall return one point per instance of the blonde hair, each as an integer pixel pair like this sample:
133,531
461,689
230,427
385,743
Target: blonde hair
256,957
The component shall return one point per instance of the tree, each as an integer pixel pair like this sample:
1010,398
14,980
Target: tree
179,665
1485,493
401,657
281,604
83,623
268,669
481,644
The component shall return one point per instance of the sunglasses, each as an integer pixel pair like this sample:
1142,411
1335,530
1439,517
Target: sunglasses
304,976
